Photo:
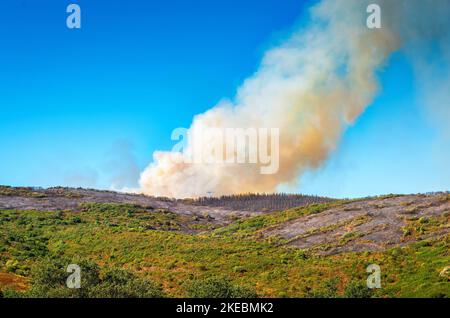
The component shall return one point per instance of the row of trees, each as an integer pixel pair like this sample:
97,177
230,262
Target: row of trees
260,202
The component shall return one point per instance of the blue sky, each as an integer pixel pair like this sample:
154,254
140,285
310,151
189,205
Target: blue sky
88,107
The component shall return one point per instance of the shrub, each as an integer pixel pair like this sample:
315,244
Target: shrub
12,266
356,289
218,287
49,281
76,220
118,283
424,220
406,231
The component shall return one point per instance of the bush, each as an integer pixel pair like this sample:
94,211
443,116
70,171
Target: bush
12,265
49,281
118,283
218,287
356,289
76,220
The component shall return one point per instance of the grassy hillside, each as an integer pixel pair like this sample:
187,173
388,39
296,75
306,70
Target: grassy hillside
161,253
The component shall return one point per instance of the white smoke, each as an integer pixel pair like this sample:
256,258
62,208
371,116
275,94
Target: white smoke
312,87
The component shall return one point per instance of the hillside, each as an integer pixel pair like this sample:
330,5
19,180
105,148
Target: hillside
178,247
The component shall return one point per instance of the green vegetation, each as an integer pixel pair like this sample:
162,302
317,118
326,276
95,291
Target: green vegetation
23,192
251,226
131,251
354,289
218,287
128,217
49,281
30,192
420,227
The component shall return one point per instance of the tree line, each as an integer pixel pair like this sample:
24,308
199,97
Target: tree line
260,202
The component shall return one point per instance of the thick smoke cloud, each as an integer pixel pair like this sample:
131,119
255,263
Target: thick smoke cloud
312,87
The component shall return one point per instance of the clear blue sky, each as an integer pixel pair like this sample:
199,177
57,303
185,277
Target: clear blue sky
88,107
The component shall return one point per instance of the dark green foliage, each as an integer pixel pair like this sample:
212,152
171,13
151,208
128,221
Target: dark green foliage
260,202
354,289
117,283
49,281
218,287
357,289
76,220
10,293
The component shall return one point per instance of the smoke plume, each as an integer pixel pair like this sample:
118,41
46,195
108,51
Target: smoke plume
311,87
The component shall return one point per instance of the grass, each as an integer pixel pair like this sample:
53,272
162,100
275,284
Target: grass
23,192
419,228
150,245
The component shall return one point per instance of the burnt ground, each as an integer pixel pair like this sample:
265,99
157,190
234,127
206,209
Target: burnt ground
369,224
60,199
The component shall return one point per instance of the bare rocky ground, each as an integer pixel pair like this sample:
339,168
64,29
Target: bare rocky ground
59,199
359,225
369,224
